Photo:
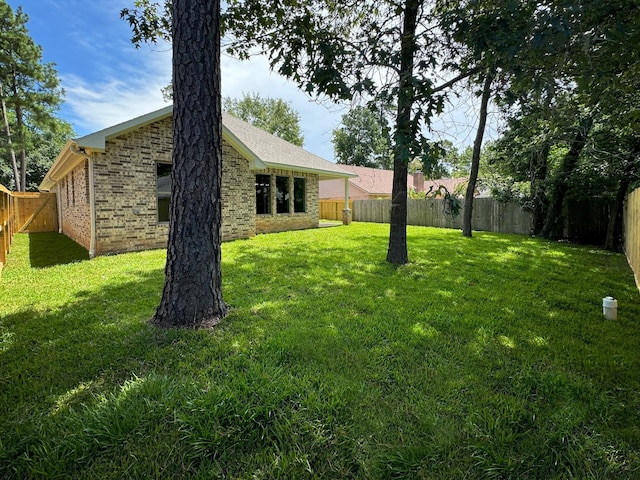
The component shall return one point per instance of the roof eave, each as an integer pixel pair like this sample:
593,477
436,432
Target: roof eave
324,174
97,141
68,158
254,161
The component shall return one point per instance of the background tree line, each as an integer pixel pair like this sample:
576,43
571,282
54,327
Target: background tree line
30,95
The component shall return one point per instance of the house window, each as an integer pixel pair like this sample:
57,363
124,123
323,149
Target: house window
163,189
299,193
263,194
282,194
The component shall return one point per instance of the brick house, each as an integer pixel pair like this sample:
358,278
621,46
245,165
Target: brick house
113,186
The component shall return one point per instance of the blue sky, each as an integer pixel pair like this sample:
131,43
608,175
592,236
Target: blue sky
108,81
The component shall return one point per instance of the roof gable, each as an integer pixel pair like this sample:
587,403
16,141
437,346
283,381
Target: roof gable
262,149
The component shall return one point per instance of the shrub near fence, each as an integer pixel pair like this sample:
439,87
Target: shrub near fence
488,214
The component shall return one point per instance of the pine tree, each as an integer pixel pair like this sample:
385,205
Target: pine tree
30,92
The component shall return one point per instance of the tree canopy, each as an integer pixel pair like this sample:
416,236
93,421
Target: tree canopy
29,97
409,53
362,139
273,115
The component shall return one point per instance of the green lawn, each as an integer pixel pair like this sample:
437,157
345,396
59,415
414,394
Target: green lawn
483,358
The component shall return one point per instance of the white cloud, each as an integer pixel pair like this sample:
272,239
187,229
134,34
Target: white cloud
124,93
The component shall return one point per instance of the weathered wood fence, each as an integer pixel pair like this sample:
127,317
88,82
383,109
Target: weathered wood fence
632,232
28,212
332,209
488,214
7,223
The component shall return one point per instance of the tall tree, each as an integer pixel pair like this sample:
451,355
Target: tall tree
29,90
42,145
385,52
475,159
362,139
192,293
273,115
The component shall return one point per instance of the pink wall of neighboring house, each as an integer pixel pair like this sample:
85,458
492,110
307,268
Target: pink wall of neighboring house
334,189
377,183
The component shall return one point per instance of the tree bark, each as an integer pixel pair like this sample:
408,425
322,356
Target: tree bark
538,171
614,226
475,159
7,131
23,154
397,251
192,293
552,228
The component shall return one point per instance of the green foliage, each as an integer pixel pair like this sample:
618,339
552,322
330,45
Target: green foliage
42,149
363,139
150,21
270,114
451,203
343,368
30,95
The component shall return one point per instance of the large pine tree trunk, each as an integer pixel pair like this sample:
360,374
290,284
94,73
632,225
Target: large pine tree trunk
23,154
475,159
397,251
553,223
192,294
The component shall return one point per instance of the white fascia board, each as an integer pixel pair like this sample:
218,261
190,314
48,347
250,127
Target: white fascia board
96,141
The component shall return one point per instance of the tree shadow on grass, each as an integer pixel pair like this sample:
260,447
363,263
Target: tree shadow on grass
50,249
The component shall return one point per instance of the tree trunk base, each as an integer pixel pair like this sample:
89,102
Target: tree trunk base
204,324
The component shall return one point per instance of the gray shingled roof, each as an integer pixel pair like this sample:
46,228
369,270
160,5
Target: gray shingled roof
261,148
278,153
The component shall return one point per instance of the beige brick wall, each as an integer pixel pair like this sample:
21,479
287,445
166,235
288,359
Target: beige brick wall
126,202
238,195
73,202
125,190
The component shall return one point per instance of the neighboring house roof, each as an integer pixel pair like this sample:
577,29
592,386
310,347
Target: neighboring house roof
451,184
262,149
375,181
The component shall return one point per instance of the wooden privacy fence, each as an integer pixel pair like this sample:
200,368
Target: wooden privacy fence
332,209
27,212
36,212
488,214
7,223
632,232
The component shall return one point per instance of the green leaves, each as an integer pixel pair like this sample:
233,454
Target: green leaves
150,21
30,95
272,115
363,139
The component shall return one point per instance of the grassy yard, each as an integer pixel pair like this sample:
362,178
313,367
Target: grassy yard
483,358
